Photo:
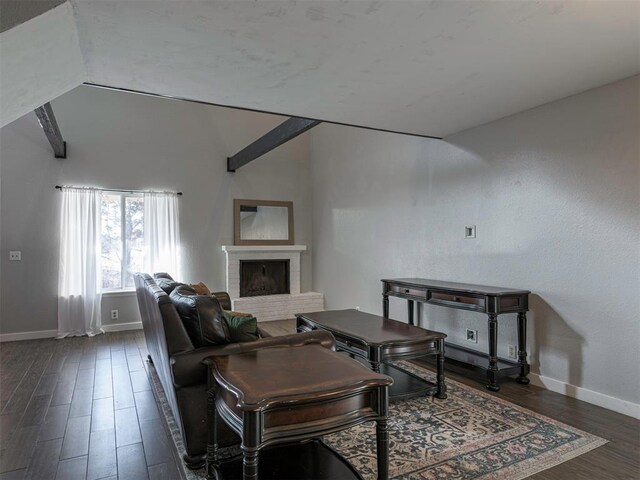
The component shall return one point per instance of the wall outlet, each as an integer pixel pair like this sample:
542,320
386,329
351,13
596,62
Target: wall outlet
512,352
472,335
15,255
114,314
470,231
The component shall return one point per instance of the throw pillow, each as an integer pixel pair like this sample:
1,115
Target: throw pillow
201,315
242,327
201,288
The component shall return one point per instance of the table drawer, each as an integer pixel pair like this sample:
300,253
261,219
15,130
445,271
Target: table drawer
411,292
465,301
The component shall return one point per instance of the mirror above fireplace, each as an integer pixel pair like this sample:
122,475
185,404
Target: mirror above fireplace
263,222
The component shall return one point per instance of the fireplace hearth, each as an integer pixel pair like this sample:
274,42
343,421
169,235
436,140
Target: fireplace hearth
264,277
266,307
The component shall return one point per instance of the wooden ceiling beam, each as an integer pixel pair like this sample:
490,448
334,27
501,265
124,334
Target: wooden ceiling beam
50,126
287,130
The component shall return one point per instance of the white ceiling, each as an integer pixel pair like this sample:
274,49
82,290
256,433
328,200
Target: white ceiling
40,60
429,68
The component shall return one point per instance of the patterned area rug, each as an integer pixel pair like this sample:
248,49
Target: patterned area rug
470,435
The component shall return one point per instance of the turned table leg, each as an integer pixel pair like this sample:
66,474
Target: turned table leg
212,436
442,388
250,446
249,463
492,371
385,306
375,366
522,349
382,446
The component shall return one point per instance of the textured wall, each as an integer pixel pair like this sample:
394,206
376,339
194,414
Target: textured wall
555,195
117,140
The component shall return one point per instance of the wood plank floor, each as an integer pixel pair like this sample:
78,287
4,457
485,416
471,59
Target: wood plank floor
83,408
617,460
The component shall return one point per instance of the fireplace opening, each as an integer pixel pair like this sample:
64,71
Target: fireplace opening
264,277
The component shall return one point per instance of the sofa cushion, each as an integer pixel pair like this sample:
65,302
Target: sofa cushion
201,315
166,282
242,327
169,285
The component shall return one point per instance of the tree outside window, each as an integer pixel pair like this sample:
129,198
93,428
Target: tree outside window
122,242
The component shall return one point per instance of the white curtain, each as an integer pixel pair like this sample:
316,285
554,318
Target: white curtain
79,277
161,233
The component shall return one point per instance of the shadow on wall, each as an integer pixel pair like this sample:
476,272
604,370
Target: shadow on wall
555,337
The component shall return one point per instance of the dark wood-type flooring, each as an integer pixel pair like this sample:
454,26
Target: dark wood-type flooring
83,408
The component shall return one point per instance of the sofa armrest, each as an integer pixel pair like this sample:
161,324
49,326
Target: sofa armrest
188,367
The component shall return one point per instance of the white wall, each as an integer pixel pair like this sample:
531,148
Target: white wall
555,195
117,140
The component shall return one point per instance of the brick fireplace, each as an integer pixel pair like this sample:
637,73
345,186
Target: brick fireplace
260,268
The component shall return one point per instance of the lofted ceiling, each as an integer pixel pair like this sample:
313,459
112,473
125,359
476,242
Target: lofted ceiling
15,12
423,67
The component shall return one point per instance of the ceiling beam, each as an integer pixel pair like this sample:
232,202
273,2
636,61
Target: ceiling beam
287,130
50,126
246,109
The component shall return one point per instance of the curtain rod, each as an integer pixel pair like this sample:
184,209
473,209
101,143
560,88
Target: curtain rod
60,187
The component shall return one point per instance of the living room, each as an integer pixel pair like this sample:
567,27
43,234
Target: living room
551,189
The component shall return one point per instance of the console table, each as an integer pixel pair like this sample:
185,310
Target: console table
492,301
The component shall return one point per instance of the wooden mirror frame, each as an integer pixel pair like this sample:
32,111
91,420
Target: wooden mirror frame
237,202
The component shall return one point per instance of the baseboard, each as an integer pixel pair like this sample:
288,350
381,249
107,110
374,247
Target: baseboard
596,398
13,337
121,327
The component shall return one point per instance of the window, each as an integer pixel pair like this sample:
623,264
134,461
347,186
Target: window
122,239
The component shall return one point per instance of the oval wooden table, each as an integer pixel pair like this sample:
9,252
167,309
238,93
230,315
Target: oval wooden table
276,396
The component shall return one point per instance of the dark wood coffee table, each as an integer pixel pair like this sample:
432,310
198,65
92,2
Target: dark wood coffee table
379,340
291,394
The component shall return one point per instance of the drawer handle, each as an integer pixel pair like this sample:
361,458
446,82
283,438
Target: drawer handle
456,299
406,290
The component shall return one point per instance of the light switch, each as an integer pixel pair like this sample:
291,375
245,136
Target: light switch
15,255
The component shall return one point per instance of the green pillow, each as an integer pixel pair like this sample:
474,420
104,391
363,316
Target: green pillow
241,327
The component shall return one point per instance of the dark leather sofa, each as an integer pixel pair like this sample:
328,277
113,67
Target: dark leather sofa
178,361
